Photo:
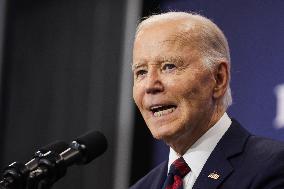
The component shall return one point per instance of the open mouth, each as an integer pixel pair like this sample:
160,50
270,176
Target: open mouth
162,110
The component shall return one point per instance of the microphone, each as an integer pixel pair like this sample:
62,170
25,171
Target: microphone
15,175
85,148
81,151
55,147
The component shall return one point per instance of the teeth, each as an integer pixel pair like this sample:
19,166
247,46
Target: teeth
155,107
163,112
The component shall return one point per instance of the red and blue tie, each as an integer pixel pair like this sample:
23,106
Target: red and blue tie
178,170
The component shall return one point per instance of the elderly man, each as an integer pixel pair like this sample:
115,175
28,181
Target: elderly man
181,67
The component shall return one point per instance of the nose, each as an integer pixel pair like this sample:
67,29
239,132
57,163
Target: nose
154,83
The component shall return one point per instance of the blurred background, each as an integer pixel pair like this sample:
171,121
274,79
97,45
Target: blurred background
65,69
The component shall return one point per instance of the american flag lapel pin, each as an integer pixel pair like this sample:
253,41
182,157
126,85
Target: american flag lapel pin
214,175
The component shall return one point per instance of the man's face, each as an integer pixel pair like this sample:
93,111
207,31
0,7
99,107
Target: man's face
172,88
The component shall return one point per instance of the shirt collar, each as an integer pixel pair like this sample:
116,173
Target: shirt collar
197,155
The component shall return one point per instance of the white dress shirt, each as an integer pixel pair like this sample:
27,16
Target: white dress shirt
197,155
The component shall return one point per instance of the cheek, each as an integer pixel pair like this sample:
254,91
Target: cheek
137,95
199,88
186,90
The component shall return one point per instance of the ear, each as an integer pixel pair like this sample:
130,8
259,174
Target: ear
221,76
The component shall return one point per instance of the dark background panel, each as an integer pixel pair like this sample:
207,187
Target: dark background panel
60,79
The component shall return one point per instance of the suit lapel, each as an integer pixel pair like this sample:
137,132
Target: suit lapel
218,166
160,176
213,173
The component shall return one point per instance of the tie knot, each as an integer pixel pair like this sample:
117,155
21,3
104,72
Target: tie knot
179,167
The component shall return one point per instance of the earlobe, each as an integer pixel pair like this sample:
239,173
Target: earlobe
222,78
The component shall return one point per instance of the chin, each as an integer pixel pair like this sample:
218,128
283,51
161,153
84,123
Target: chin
158,135
164,135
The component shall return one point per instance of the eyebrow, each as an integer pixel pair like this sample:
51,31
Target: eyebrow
160,60
176,59
135,66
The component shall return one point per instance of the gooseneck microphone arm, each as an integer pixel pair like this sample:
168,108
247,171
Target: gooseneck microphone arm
15,175
50,164
81,151
51,168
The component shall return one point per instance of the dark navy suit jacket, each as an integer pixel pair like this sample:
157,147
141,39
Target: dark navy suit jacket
242,161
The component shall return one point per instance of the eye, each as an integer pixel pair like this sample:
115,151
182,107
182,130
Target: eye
168,67
140,73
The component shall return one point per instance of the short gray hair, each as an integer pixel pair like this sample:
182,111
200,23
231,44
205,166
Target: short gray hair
212,42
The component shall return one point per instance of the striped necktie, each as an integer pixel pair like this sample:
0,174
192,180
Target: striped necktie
178,170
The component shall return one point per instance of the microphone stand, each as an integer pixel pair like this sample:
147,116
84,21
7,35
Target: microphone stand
14,176
38,184
50,169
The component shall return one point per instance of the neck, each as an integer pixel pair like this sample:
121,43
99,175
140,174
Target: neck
182,143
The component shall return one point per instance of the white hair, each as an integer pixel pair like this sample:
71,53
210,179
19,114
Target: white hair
209,38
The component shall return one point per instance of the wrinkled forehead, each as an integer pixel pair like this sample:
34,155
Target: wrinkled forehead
171,36
173,50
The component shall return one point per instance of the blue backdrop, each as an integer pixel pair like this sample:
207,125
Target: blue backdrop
255,31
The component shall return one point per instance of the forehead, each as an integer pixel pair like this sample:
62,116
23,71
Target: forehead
162,41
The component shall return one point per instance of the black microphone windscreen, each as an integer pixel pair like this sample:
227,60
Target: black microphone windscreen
95,144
